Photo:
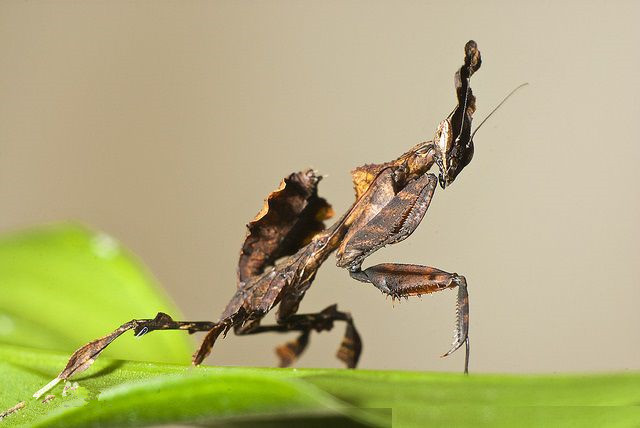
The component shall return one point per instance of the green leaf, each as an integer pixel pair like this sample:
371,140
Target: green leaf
125,393
119,393
62,286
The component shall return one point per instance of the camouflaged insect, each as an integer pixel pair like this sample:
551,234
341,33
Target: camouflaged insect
288,241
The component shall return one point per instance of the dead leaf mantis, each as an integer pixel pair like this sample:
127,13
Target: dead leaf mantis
287,243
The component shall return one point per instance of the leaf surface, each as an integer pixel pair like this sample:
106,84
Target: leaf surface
131,393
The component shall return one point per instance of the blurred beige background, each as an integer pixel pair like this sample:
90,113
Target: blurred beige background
166,123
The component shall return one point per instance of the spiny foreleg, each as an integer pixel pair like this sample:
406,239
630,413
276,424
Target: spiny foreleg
402,280
395,222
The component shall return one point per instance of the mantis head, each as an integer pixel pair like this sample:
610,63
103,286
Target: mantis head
453,152
453,139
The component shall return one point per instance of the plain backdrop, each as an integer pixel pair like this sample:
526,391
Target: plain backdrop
166,123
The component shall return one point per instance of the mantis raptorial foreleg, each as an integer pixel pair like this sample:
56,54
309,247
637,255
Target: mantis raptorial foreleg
403,280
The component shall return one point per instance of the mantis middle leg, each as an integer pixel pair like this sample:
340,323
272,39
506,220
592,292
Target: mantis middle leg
288,353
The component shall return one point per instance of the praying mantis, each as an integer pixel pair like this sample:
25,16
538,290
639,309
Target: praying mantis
287,242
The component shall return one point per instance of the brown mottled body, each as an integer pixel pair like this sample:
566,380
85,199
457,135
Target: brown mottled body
287,242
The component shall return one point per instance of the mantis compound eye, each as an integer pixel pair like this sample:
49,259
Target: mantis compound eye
461,159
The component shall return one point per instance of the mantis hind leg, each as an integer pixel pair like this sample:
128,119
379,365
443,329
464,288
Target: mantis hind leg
402,280
288,353
84,356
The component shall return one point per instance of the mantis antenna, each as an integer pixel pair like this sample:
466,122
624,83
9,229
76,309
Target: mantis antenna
504,100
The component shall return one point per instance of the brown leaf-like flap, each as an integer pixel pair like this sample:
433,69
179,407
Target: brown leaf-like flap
351,347
290,217
208,342
84,357
466,99
291,351
364,175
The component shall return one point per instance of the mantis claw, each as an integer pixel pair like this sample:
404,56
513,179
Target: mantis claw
461,333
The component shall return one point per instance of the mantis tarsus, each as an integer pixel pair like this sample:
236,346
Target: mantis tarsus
287,243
